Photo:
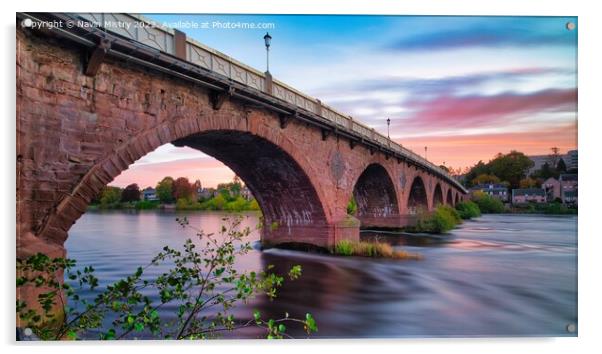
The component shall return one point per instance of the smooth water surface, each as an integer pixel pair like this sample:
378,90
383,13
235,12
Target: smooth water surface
499,275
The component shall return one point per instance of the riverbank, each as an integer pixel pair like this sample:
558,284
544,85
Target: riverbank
218,203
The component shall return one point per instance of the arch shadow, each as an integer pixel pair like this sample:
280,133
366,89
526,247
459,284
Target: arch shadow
374,194
417,199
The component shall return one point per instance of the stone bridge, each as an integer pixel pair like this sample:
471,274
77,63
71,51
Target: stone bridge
92,101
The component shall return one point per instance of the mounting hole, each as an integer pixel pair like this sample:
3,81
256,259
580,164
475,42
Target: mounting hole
570,26
27,22
571,328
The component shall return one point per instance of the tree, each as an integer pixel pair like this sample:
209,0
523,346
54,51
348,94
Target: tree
485,179
545,172
110,195
561,166
554,157
197,185
183,189
478,169
527,183
511,167
131,193
230,190
487,204
165,190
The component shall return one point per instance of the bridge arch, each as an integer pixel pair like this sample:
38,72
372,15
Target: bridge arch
278,176
437,196
417,198
375,196
449,200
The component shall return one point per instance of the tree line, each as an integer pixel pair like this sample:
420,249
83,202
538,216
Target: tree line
181,192
512,170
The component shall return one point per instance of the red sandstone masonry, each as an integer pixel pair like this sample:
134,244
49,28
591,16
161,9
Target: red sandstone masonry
76,133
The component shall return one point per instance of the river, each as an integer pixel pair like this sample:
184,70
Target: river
498,275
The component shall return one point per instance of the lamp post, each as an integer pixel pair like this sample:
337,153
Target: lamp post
425,153
388,124
268,40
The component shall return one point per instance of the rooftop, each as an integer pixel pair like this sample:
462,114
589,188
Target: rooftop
528,191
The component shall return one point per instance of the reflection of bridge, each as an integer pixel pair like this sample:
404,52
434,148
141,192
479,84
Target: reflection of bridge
90,102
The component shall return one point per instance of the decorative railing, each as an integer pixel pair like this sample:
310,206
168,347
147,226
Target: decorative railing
152,34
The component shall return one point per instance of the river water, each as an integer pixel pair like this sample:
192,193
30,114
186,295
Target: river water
498,275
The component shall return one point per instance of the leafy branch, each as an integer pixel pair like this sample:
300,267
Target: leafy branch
201,282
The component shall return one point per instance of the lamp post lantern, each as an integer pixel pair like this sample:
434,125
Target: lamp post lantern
268,40
388,124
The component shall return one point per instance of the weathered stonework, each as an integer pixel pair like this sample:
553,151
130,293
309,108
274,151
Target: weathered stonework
75,133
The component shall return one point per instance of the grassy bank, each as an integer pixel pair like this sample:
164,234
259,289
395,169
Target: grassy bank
547,208
138,205
233,205
371,249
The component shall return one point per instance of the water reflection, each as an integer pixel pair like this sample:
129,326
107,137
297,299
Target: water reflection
501,275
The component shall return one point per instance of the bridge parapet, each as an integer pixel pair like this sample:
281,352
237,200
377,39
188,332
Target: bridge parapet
164,39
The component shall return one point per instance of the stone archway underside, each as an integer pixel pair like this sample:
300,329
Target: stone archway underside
376,198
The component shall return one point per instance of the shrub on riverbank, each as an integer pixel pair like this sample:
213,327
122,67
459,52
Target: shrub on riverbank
371,249
488,204
468,209
140,205
218,203
443,219
554,208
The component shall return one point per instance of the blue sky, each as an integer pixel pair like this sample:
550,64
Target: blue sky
466,87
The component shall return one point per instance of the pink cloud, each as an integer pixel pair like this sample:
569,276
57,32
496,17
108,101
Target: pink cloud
208,170
478,111
466,150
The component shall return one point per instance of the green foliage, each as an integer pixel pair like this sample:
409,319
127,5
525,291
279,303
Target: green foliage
554,208
443,219
147,204
164,190
485,179
343,248
201,284
253,205
487,204
468,209
370,249
352,206
238,204
528,183
511,167
110,196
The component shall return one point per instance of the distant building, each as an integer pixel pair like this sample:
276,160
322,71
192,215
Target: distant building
538,162
245,192
205,193
552,188
528,195
499,191
571,160
568,188
149,194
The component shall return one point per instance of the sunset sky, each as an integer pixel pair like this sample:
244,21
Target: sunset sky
465,87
